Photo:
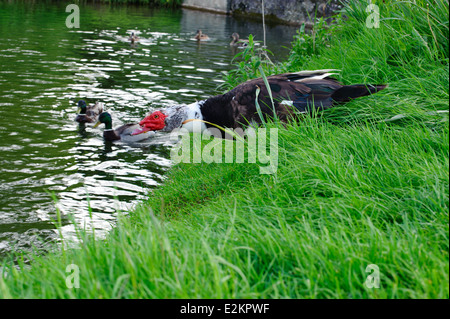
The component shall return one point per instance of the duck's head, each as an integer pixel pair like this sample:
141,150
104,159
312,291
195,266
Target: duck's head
152,122
174,117
81,107
106,119
199,34
235,36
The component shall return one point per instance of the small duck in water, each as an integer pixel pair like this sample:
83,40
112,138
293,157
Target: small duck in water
236,42
133,38
88,114
199,36
131,132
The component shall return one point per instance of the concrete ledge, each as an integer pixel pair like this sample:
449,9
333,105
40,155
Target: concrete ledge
216,6
192,7
293,12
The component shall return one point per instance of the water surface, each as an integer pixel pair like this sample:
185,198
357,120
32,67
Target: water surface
47,161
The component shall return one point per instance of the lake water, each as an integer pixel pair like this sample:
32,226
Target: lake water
47,162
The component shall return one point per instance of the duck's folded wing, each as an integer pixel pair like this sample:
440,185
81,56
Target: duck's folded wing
301,75
125,132
303,94
127,129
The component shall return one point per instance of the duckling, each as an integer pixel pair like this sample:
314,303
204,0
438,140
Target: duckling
240,43
199,36
236,42
88,114
133,38
131,132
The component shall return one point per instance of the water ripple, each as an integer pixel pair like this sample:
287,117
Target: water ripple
47,161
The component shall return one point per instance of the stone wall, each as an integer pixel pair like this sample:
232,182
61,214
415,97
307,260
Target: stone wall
290,11
286,11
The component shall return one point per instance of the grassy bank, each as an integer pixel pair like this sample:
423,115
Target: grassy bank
351,190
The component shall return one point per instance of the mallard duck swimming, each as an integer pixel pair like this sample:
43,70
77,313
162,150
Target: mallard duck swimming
293,93
88,114
129,132
236,42
133,38
199,36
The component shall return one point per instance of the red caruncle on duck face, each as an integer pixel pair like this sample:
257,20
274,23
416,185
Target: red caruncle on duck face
154,121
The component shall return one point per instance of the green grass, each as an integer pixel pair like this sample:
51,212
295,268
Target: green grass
351,190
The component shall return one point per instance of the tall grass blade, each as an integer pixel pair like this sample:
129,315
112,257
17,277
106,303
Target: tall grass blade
258,107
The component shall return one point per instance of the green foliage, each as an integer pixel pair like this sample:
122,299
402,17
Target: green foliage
311,43
409,51
248,63
343,198
414,28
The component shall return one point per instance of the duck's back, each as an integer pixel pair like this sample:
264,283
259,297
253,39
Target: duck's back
288,90
300,92
91,115
94,111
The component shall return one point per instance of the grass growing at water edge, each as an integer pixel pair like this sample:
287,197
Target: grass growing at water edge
343,198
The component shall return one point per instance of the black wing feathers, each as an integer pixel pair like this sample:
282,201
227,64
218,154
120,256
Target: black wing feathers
302,92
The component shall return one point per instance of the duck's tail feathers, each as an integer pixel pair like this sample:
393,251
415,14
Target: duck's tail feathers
350,92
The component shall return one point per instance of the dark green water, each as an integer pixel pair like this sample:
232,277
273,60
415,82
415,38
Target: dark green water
46,160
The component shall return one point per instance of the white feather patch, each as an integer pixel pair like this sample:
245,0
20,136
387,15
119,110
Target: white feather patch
316,77
314,72
193,112
290,103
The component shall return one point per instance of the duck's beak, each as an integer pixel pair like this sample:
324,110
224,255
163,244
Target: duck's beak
97,124
140,130
78,110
